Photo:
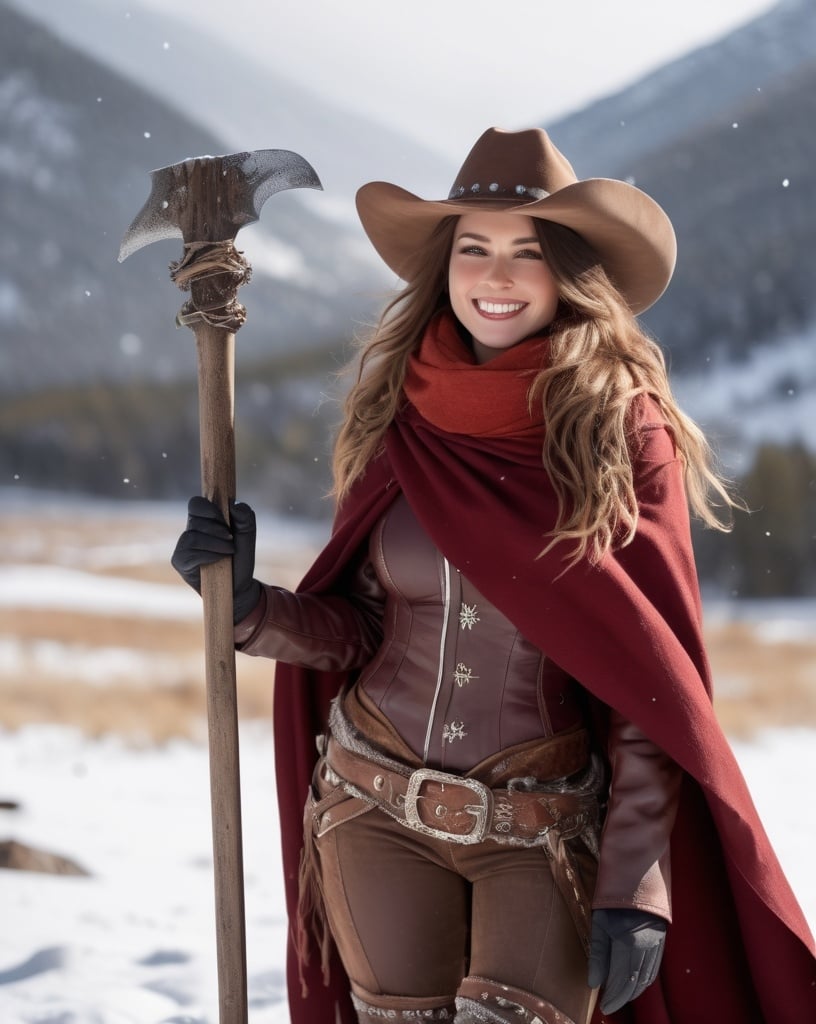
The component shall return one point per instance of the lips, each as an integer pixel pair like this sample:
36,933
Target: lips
498,309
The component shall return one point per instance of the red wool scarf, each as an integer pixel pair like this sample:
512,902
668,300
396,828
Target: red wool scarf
450,389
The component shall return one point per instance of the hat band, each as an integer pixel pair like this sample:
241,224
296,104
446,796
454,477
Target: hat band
495,190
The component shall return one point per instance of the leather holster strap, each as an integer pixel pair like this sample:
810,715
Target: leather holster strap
558,757
459,809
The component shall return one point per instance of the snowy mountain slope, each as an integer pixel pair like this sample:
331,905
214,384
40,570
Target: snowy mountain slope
705,87
76,144
723,139
244,102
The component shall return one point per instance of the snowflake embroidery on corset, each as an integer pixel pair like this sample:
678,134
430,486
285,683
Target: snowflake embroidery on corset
463,675
467,616
454,731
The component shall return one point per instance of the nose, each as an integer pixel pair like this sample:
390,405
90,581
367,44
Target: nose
499,273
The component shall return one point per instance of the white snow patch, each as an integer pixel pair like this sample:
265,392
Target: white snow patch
98,666
771,396
49,586
272,256
134,943
775,622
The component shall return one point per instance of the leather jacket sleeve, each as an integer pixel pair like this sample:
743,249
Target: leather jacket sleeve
635,868
326,632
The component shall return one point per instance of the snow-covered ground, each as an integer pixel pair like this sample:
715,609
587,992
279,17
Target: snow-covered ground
134,942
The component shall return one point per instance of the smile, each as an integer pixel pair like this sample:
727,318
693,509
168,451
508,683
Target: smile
499,308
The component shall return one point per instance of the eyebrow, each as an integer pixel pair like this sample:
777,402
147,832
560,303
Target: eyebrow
484,238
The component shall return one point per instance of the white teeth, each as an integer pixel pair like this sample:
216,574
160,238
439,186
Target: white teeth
500,307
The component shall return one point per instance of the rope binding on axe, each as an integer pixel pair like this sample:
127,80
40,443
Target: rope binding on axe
203,260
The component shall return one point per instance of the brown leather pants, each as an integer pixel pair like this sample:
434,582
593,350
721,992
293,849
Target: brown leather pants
428,929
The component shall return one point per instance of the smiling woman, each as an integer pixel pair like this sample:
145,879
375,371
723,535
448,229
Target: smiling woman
519,785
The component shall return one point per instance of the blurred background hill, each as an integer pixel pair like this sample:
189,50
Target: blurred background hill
97,388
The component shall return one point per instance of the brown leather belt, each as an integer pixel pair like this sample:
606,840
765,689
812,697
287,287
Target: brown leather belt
458,809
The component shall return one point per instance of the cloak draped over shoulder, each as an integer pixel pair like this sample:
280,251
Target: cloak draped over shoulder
629,630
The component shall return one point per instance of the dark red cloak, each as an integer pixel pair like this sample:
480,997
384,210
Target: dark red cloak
739,950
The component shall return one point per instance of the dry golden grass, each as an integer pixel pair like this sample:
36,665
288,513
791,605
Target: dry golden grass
54,670
82,628
760,684
155,689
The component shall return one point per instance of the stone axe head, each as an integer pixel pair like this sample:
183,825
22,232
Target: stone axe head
206,201
210,198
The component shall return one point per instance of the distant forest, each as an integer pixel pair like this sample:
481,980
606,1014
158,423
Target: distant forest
771,551
116,449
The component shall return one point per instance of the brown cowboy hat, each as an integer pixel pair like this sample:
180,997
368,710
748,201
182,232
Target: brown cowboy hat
523,172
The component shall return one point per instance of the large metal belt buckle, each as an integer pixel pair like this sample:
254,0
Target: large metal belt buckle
482,812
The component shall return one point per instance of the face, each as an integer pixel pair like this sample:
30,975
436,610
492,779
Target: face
501,290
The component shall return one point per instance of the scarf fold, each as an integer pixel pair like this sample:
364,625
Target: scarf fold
455,393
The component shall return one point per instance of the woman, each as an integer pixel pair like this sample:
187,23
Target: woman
521,795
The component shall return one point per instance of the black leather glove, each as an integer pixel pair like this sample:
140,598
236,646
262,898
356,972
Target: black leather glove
625,953
208,539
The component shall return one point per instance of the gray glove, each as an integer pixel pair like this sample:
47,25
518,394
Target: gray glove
208,539
625,953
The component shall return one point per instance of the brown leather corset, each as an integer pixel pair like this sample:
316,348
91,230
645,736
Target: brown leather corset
455,678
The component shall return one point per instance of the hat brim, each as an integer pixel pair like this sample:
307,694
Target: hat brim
630,232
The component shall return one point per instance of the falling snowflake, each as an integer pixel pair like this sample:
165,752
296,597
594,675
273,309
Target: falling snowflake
467,616
463,674
454,731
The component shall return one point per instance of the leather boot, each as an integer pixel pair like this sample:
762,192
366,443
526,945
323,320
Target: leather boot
481,1001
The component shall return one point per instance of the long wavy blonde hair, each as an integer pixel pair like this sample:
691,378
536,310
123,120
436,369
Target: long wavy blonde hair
600,361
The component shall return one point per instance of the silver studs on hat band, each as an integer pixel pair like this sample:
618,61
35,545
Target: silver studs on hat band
495,189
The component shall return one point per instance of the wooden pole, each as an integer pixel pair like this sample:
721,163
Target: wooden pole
216,390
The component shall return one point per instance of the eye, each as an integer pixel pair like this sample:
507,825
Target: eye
472,250
529,254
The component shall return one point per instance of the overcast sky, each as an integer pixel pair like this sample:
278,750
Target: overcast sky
443,70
